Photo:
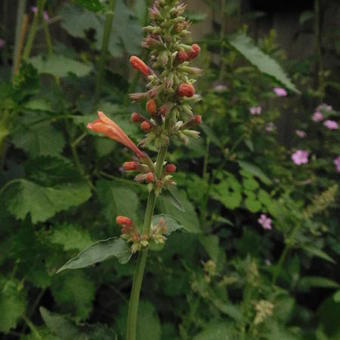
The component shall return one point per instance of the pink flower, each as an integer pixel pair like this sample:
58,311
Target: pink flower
280,92
255,110
337,163
301,134
45,14
2,43
331,124
110,129
270,127
300,157
265,222
317,116
324,107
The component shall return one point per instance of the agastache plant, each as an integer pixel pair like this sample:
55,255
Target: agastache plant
168,114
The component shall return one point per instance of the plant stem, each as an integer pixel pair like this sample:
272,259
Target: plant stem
318,53
142,256
103,52
33,30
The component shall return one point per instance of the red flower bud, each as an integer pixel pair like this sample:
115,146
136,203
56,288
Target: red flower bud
197,119
170,168
130,166
139,65
186,90
151,107
182,56
195,51
136,118
123,220
149,178
163,110
145,126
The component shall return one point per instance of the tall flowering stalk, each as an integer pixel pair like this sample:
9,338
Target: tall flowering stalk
168,114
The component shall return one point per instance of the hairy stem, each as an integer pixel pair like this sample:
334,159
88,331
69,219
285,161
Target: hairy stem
103,52
142,256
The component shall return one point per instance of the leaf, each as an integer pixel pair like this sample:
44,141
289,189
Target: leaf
148,324
71,237
25,197
266,64
211,134
336,296
40,139
255,171
252,205
308,282
60,66
91,5
216,331
318,253
306,16
99,252
74,293
171,223
211,245
38,104
12,304
59,325
187,218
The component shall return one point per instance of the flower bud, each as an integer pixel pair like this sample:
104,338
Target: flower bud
197,119
130,166
163,110
123,220
136,117
195,51
186,90
149,178
139,65
145,126
151,107
182,56
170,168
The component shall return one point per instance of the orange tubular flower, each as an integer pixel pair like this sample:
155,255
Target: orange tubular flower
186,90
151,107
139,65
110,129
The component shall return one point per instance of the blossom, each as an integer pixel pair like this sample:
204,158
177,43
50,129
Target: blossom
195,51
317,116
110,129
280,92
324,107
186,90
301,133
265,221
139,65
170,168
146,126
45,14
197,119
270,127
130,166
300,157
2,43
219,88
255,110
337,163
151,107
331,124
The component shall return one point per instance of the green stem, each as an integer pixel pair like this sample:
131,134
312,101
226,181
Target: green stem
48,38
31,327
33,30
104,49
142,256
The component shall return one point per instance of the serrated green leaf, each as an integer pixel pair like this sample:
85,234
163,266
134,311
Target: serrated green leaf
255,171
12,304
188,218
25,197
60,66
99,252
71,237
266,64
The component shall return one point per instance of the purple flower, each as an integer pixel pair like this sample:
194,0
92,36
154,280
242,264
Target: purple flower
265,222
301,134
300,157
255,110
331,124
34,9
280,92
317,116
2,43
337,164
270,127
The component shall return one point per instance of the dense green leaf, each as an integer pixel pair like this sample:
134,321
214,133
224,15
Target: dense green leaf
266,64
12,304
25,197
60,66
99,252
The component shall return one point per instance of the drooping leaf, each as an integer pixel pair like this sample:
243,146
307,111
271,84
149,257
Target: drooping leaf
266,64
25,197
60,66
99,252
12,304
318,253
255,171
